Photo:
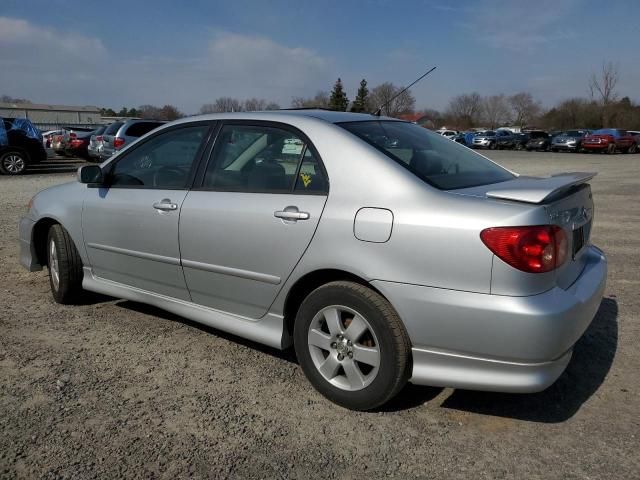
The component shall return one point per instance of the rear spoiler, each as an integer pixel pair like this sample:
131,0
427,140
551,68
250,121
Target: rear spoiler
540,189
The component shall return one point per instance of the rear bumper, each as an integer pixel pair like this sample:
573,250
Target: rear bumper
494,342
595,146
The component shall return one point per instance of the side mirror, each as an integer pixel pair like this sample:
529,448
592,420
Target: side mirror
91,175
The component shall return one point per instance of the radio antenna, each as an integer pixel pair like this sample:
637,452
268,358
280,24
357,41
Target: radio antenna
379,110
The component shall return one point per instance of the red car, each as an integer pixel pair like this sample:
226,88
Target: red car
78,144
610,140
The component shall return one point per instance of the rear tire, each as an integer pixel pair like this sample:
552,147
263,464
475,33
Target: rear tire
632,149
65,266
352,345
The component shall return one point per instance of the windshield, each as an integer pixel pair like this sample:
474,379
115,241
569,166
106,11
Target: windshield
573,133
438,161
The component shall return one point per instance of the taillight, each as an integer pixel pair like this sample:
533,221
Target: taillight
535,249
118,142
99,138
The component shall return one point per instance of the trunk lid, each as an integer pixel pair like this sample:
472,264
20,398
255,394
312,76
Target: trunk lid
568,203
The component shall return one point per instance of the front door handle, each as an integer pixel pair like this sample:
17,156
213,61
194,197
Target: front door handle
165,205
291,214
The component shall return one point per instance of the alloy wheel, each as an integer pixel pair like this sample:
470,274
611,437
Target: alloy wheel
344,348
13,163
54,267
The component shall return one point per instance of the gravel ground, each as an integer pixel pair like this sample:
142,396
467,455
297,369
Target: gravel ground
115,389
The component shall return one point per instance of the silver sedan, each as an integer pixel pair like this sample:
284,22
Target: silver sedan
384,253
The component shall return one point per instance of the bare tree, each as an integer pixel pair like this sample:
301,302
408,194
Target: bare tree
222,104
321,100
525,108
495,110
9,99
382,95
170,112
605,86
149,112
465,110
255,104
272,106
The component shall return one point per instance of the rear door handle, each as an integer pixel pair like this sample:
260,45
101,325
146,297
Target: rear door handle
291,214
165,205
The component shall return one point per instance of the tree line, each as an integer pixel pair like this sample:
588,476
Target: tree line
603,107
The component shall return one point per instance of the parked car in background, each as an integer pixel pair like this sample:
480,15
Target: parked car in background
119,134
20,145
59,142
505,139
493,139
570,140
453,272
610,140
520,140
459,138
78,145
447,133
538,141
95,143
486,139
47,137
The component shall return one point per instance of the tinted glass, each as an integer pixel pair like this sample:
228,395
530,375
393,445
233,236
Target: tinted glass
139,129
438,161
163,162
311,177
113,128
254,159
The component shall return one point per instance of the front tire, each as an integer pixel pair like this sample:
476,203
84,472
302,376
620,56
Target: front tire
13,163
352,345
65,266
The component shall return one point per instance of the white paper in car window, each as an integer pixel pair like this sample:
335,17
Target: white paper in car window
292,146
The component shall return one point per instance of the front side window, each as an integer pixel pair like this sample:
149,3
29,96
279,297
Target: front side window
440,162
262,159
162,162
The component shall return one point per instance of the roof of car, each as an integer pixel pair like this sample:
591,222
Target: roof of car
326,115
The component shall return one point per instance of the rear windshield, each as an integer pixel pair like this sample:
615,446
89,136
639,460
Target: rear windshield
140,128
435,159
113,128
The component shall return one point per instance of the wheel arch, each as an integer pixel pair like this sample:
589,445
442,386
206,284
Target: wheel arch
39,238
308,283
19,149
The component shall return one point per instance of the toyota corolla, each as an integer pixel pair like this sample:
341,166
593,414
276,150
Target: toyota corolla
384,253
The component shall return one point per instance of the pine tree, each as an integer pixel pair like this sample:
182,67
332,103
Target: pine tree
360,103
338,100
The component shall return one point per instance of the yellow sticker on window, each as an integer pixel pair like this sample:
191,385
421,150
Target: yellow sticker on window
306,179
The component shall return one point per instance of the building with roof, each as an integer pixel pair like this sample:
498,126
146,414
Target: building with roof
53,115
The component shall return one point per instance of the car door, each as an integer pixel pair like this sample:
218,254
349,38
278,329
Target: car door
130,226
248,224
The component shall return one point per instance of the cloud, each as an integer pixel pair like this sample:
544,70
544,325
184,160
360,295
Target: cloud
520,26
252,60
52,66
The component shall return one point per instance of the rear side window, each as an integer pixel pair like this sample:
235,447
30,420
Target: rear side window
113,128
263,159
139,129
437,160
